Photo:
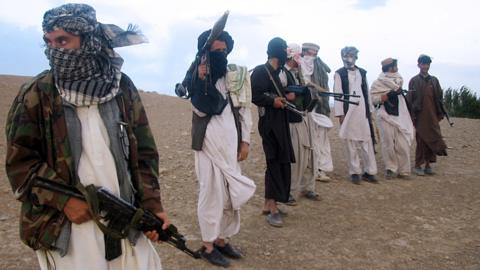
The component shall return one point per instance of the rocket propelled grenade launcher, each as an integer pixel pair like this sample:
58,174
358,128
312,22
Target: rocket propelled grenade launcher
202,58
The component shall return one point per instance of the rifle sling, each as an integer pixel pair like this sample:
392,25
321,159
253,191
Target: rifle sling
112,236
274,83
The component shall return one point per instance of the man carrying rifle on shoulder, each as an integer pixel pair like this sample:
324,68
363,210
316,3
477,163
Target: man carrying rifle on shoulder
270,97
221,125
80,123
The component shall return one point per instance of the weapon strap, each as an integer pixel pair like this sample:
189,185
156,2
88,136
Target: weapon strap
112,233
273,81
236,118
90,194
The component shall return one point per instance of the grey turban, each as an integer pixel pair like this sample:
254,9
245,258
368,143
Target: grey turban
349,50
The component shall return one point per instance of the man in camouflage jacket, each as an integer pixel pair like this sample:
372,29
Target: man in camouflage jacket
44,138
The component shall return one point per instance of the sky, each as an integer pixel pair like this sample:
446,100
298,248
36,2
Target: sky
446,30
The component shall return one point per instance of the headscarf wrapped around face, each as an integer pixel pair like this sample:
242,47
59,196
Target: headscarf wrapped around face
294,51
218,60
277,48
90,74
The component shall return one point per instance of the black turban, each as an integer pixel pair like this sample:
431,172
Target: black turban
424,59
224,36
276,48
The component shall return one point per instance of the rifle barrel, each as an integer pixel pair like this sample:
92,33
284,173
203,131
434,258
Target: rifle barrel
293,109
336,94
348,101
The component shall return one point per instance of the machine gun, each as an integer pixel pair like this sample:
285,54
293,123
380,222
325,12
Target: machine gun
114,209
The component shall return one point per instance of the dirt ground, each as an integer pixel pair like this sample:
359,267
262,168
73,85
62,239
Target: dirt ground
430,222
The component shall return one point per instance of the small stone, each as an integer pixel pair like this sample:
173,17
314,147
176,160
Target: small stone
428,227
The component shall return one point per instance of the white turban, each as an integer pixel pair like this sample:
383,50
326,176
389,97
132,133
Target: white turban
294,52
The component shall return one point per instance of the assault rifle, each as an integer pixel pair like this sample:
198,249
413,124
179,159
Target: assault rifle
114,209
444,111
337,96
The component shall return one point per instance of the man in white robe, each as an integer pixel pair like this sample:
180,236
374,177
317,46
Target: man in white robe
302,178
315,74
355,120
393,118
222,187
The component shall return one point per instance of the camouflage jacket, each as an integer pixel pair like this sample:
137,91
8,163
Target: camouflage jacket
38,145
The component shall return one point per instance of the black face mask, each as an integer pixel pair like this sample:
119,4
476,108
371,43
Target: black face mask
278,52
218,65
282,57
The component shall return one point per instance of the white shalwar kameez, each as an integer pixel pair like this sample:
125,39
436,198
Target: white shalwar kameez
396,132
355,130
302,176
222,187
86,248
322,156
302,179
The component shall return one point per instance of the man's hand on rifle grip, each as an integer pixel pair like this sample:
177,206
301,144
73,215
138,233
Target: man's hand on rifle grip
153,235
279,103
202,71
76,211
